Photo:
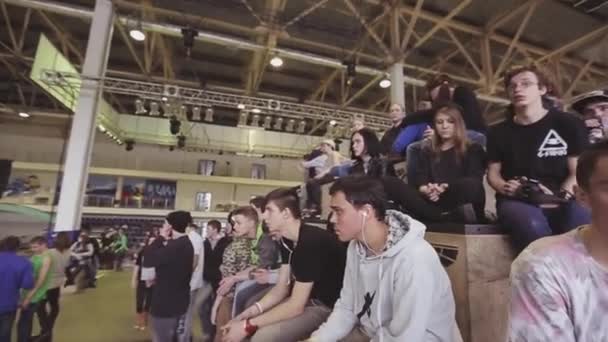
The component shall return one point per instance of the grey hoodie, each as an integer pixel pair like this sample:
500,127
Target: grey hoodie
403,294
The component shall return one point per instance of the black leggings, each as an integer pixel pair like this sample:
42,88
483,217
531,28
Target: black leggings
408,199
45,318
143,297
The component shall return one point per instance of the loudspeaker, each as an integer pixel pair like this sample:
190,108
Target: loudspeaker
5,174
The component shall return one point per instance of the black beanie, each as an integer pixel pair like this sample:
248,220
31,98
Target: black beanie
179,220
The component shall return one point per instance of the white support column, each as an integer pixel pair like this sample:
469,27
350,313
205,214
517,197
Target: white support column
397,85
82,134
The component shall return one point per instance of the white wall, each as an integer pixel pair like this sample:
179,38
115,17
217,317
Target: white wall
41,149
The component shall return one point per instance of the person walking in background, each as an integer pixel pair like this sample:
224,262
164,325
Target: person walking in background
172,256
215,245
143,284
60,259
82,252
32,299
96,254
16,274
196,282
120,248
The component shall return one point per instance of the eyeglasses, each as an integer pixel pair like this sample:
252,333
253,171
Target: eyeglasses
524,85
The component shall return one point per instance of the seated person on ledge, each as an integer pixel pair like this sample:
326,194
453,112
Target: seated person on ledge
395,288
451,168
559,283
310,278
532,162
235,261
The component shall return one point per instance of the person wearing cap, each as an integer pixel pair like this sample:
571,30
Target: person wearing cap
329,158
593,106
172,255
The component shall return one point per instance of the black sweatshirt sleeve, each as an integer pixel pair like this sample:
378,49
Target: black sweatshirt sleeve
422,175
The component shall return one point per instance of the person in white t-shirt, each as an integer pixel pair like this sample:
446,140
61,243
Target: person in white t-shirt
196,282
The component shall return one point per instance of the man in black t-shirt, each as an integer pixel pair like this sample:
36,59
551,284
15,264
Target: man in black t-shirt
310,278
540,145
172,256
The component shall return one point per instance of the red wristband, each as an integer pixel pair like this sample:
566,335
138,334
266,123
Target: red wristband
250,329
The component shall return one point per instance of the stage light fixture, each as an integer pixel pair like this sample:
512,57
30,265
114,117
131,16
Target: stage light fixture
137,33
256,110
181,141
329,130
385,82
290,125
174,125
209,114
183,112
24,115
278,124
154,109
139,107
255,121
102,128
196,113
268,122
129,144
351,71
276,62
301,127
188,35
243,118
240,106
333,122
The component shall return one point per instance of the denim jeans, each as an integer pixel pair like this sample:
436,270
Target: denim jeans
6,325
207,296
527,222
26,319
412,154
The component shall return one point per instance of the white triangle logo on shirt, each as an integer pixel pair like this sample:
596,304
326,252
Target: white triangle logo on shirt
553,146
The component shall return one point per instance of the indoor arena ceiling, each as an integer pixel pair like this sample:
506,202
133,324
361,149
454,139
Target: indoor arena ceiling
474,41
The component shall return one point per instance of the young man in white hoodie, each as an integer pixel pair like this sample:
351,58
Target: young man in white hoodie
395,288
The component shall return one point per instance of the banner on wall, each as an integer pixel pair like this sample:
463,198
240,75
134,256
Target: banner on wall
148,193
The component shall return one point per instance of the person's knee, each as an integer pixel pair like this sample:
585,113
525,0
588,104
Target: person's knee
271,333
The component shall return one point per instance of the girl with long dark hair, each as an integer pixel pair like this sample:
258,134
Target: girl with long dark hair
451,168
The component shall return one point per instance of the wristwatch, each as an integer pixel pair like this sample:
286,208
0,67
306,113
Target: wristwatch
250,329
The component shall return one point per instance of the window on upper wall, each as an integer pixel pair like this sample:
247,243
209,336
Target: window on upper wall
202,201
258,171
206,167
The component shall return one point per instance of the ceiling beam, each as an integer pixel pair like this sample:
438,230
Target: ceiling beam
577,79
575,43
411,25
371,83
438,25
127,41
520,31
368,28
505,17
325,82
267,36
463,51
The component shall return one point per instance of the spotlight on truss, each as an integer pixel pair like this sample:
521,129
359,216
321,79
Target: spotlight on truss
209,114
139,107
268,122
278,124
154,109
196,113
290,125
301,127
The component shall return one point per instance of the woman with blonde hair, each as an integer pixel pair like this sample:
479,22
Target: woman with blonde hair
451,168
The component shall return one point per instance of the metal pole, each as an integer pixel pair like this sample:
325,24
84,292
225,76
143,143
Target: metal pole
82,133
397,85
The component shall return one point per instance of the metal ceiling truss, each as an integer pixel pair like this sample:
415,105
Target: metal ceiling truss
489,82
206,98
